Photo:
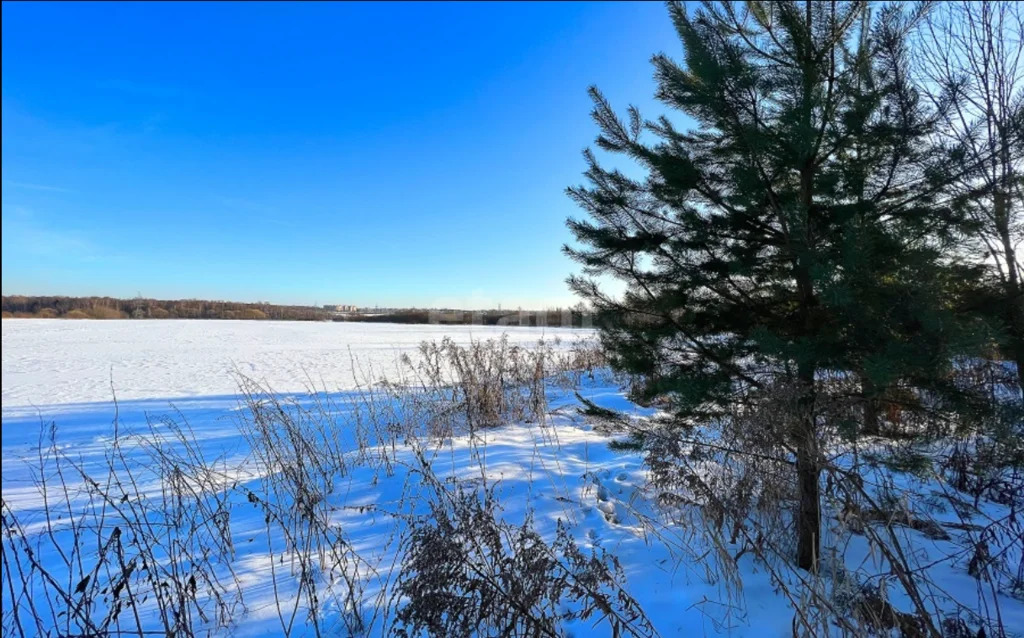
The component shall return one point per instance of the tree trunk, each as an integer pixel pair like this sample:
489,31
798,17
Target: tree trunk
870,426
808,471
1018,356
809,519
1017,336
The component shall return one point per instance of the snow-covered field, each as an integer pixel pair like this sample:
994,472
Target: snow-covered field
47,363
561,469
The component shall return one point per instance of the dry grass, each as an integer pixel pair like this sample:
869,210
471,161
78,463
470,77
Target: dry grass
143,542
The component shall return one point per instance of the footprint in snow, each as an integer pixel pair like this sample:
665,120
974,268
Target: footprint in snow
606,506
608,510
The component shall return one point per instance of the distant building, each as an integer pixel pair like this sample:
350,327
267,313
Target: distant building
340,308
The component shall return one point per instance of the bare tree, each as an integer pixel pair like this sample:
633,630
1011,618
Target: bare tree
972,57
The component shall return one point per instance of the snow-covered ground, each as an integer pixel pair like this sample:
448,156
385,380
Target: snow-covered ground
562,469
47,362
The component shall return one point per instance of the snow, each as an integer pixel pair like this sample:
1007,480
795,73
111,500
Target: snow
561,469
48,362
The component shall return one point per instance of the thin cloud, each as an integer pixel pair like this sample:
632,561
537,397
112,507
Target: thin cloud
34,237
36,187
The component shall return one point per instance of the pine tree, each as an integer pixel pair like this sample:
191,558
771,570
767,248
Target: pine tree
795,227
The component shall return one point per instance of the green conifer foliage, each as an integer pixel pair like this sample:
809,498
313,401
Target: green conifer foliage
791,223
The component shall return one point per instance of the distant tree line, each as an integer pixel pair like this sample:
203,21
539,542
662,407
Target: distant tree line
52,307
558,317
139,308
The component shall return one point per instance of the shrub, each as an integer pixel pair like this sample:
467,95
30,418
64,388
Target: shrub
466,571
77,314
104,312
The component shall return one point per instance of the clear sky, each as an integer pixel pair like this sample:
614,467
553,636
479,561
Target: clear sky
373,154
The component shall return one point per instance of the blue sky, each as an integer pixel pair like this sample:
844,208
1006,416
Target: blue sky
375,154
